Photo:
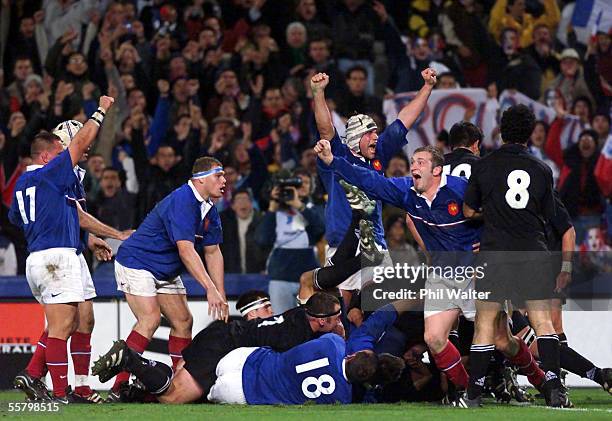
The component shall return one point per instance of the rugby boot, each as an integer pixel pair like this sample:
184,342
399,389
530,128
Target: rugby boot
113,362
357,199
367,244
33,387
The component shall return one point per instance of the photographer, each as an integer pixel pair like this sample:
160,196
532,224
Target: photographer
292,228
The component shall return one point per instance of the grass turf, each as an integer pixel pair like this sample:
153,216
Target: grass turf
590,404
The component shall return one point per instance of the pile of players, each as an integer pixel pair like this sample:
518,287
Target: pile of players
306,353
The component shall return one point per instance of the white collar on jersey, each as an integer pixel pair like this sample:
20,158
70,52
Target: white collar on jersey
442,184
79,172
344,369
33,167
205,205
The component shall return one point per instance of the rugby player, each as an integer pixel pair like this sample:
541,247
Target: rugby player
149,263
364,147
43,209
196,373
433,200
514,193
254,304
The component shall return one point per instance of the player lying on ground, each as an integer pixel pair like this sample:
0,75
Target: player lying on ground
195,373
43,209
254,304
271,377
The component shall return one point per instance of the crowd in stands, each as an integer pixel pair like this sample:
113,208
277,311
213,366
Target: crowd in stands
231,79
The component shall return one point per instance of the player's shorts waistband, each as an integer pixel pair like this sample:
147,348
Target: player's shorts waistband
54,250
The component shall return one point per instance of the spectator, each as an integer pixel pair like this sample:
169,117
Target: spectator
114,205
512,69
570,83
354,26
463,30
307,13
21,70
537,144
398,166
542,52
240,251
320,61
294,57
291,229
511,14
93,176
27,41
355,99
598,67
578,187
601,125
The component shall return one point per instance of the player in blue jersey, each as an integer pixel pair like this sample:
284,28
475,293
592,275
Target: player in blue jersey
434,201
362,146
271,376
44,207
80,341
149,263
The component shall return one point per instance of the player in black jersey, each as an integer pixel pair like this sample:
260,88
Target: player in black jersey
513,191
464,140
561,230
195,374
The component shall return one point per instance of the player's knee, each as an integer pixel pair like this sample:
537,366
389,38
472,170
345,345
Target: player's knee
86,323
149,323
306,280
543,327
435,341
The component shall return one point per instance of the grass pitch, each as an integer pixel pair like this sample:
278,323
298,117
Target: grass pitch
592,404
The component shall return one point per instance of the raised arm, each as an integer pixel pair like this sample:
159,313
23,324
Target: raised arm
321,111
389,190
411,112
85,137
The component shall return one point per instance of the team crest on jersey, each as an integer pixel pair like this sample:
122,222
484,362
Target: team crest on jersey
453,208
377,165
206,224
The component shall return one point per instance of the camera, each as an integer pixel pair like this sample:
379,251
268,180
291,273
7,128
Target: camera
285,183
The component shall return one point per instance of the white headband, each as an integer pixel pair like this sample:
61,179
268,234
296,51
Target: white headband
254,305
204,174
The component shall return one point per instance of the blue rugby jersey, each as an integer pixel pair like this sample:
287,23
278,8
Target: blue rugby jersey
440,223
337,211
310,372
179,216
43,205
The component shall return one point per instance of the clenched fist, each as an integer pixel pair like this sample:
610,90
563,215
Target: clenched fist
106,102
319,82
429,76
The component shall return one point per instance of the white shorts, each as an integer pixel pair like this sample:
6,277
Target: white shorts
354,282
441,297
228,387
89,290
144,284
54,276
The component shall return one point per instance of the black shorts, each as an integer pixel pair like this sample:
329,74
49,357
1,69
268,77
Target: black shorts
205,351
516,280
